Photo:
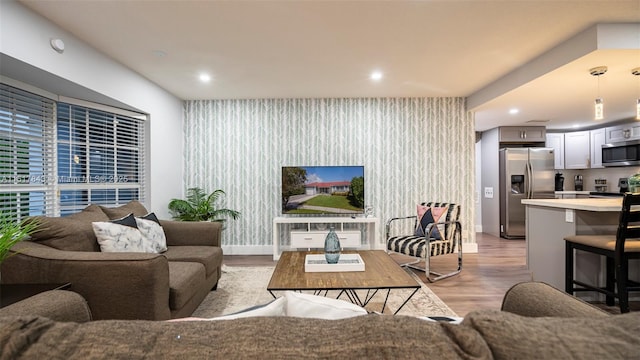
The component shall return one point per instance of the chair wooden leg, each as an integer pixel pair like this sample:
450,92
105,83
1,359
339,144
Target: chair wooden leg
622,273
568,268
610,280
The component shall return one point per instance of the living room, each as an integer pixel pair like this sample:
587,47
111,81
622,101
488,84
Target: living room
413,148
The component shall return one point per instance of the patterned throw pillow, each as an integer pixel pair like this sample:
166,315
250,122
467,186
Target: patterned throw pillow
428,215
120,235
152,232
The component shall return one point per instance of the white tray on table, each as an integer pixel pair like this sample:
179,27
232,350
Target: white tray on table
347,262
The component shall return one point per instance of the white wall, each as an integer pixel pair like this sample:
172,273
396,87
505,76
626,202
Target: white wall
25,36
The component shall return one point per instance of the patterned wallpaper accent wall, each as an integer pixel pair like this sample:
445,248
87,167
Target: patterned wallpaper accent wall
413,150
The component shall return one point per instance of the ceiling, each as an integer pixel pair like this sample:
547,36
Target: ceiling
499,54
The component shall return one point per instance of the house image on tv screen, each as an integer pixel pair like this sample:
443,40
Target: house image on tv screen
327,187
322,189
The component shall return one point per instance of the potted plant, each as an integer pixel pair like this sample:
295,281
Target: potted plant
12,232
200,206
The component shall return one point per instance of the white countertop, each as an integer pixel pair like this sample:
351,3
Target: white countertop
589,204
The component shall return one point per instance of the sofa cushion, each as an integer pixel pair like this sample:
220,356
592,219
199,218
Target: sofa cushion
132,207
72,233
511,336
185,280
209,256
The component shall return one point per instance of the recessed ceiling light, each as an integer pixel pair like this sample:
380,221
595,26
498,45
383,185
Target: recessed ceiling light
575,126
159,53
376,76
513,111
205,78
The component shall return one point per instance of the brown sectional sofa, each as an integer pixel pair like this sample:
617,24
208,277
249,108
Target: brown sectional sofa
122,285
536,322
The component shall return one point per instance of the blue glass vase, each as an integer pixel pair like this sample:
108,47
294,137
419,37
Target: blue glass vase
332,247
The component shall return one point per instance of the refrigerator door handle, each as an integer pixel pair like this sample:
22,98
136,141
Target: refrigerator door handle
529,181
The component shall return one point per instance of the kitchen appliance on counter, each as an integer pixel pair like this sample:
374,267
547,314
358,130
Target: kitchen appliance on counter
577,182
559,182
525,173
623,184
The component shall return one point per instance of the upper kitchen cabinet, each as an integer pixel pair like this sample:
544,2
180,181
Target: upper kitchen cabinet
522,134
597,140
577,151
622,132
556,141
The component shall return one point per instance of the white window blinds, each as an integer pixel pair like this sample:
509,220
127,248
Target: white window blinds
100,158
57,158
27,162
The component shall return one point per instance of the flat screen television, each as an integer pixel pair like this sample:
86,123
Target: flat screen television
323,190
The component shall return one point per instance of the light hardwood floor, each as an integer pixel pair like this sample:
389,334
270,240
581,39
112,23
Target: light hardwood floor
485,277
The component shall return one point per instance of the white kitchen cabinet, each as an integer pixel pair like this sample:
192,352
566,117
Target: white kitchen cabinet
622,132
522,134
556,141
577,151
597,140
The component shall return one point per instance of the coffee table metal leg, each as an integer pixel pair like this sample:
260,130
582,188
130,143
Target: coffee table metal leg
406,301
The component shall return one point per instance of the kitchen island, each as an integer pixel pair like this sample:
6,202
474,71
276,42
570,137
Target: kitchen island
549,221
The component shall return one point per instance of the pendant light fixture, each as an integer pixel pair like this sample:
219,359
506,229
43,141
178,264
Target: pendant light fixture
599,103
636,72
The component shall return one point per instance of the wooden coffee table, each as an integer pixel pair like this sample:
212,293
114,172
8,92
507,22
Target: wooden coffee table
381,273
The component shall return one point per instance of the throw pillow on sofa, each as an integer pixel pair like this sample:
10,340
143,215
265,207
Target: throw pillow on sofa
152,232
120,235
295,304
431,215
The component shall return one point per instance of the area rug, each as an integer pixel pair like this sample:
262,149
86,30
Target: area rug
243,287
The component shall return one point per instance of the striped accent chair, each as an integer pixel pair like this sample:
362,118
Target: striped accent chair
424,244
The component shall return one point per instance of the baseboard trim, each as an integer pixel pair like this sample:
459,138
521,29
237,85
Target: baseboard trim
247,249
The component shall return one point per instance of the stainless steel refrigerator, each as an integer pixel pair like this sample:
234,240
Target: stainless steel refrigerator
525,173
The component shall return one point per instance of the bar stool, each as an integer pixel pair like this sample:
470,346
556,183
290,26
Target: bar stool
617,249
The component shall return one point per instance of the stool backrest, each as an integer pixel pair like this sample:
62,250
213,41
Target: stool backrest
629,226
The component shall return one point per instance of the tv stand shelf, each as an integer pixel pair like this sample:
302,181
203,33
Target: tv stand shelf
309,232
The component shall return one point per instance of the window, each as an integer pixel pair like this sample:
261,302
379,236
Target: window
100,158
57,158
27,166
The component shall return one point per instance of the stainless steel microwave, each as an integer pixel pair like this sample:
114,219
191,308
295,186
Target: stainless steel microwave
625,153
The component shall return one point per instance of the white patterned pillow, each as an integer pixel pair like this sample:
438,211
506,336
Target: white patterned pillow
152,232
120,235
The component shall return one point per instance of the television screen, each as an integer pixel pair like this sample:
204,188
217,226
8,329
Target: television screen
322,190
